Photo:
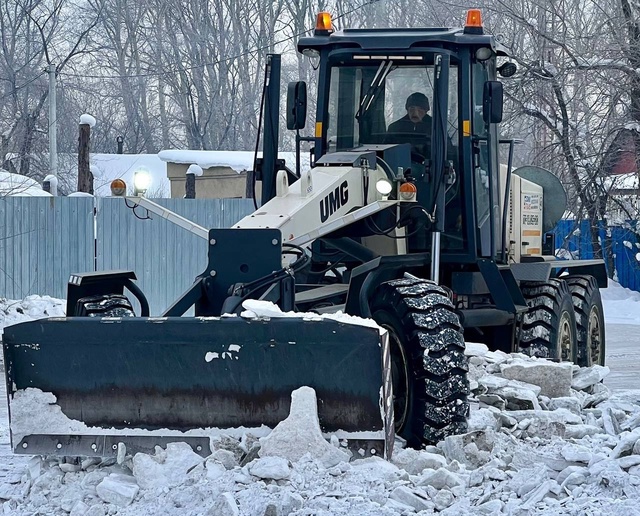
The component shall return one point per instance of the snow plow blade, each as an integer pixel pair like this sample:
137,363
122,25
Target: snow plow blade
178,374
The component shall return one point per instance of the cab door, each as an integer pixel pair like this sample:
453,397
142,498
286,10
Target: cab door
486,163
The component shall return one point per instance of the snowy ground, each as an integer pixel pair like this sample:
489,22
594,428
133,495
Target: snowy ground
570,446
622,313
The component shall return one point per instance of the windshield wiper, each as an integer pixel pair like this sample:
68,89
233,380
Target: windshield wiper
381,75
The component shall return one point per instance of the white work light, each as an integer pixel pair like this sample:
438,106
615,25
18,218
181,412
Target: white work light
384,187
141,181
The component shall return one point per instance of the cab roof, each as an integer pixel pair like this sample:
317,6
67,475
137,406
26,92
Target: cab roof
398,39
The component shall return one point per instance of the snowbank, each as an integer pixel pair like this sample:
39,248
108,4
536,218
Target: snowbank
620,304
32,307
15,185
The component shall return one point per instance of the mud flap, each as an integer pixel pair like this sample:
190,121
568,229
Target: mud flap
200,373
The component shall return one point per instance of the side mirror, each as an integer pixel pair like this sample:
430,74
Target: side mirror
492,100
296,105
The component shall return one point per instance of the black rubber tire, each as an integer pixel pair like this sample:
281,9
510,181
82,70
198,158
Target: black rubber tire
587,303
429,367
111,305
549,327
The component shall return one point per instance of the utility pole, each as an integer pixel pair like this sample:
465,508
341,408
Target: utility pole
53,122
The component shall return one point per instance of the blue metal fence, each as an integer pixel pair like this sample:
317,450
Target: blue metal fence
42,241
165,257
45,239
574,236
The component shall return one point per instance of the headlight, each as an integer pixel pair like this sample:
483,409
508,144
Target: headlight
384,187
141,181
483,53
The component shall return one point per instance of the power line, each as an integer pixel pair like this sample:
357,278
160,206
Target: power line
24,85
224,60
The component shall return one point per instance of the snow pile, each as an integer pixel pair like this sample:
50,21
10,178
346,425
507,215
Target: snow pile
21,186
80,194
33,409
257,309
196,170
300,435
544,438
620,304
167,468
28,309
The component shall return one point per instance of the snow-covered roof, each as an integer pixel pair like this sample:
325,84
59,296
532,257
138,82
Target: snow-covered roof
628,181
107,167
240,161
16,185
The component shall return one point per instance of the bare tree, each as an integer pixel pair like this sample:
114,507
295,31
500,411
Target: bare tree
578,87
34,33
125,55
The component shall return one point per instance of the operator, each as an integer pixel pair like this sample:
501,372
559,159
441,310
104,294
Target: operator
414,127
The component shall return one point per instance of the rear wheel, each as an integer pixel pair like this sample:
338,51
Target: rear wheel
549,326
111,305
429,367
587,303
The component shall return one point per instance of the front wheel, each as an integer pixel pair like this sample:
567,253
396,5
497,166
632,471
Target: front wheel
429,367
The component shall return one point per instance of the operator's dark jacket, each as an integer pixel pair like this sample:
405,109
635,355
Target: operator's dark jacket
405,131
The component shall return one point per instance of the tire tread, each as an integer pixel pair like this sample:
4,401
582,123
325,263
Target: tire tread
435,347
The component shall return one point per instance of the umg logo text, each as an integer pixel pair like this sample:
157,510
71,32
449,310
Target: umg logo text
334,201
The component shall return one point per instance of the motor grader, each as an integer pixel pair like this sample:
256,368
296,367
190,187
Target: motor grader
428,240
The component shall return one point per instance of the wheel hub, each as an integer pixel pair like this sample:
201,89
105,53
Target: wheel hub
565,336
594,335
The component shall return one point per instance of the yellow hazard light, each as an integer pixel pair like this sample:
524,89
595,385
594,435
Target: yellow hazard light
118,188
323,23
474,18
408,191
474,22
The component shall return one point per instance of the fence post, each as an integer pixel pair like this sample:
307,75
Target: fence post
85,177
50,184
190,186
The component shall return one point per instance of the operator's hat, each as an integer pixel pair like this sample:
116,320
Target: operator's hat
417,99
